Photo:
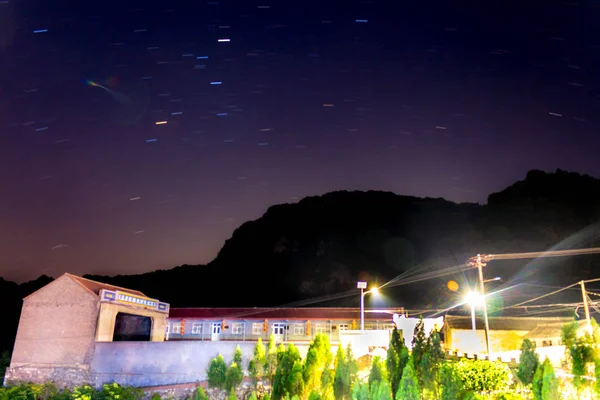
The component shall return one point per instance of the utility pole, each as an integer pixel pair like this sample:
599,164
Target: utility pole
480,266
585,304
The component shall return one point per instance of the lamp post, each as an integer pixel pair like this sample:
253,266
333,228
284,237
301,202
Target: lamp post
362,286
472,299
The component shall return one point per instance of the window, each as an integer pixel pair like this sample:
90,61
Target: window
197,328
321,328
547,343
278,328
299,329
257,328
237,328
343,327
177,327
216,327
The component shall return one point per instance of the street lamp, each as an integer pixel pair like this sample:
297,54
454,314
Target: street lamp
473,299
362,286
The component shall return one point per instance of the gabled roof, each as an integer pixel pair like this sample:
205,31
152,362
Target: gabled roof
272,313
505,323
547,331
91,286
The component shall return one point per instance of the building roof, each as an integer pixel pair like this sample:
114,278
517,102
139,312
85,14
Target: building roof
505,323
96,287
304,313
552,330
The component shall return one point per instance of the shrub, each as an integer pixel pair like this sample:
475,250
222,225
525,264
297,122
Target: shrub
200,394
409,385
509,396
217,373
156,396
116,392
234,376
231,395
483,375
360,391
528,362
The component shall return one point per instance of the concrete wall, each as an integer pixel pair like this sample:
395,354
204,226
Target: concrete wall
108,314
167,363
464,340
57,326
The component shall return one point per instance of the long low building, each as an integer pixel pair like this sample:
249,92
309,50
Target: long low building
287,324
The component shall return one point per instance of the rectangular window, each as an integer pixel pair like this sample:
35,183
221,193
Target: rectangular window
299,329
321,328
278,328
196,328
237,328
343,327
216,328
257,328
177,327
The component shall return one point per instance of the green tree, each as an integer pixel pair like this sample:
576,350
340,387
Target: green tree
377,373
267,396
200,394
451,385
409,385
397,358
252,396
419,350
483,375
528,362
216,373
318,359
237,355
537,382
431,363
549,383
286,373
234,376
271,359
231,395
381,391
360,391
256,366
346,370
580,347
295,381
327,379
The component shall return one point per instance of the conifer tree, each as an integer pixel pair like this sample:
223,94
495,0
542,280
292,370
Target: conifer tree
419,350
431,363
217,372
409,385
237,355
318,359
397,357
271,359
528,362
549,382
360,391
256,366
377,373
200,394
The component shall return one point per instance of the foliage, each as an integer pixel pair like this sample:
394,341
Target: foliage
156,396
346,370
314,395
252,396
231,395
452,387
580,351
84,392
381,391
318,359
537,382
234,376
267,397
216,373
528,362
549,383
420,348
271,359
31,391
377,373
200,394
237,355
397,358
482,375
431,363
256,366
4,363
409,385
360,391
117,392
286,375
509,396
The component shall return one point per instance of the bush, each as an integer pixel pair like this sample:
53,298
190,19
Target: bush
232,395
528,362
200,394
217,373
234,376
409,385
509,396
483,375
116,392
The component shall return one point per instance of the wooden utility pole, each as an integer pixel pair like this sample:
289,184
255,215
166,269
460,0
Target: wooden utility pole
585,304
480,265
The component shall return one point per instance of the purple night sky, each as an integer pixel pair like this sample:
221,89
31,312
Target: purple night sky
444,99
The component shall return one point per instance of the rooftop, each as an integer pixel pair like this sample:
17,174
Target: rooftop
304,313
96,287
506,323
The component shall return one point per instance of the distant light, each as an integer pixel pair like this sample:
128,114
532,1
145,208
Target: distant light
160,122
137,198
216,83
224,40
150,140
327,105
187,55
555,114
362,20
375,291
201,57
40,31
222,114
263,143
41,129
177,113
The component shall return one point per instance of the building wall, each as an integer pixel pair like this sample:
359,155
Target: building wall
108,314
167,363
294,330
464,340
57,326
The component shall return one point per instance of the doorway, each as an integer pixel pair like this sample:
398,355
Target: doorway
132,328
216,331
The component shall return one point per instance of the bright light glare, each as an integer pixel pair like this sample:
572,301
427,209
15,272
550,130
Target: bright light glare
474,299
375,291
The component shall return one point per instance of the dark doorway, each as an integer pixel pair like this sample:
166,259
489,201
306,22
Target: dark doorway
132,328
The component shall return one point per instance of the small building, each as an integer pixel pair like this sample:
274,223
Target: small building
61,322
298,325
506,333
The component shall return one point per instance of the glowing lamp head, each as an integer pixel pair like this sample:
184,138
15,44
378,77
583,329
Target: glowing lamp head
375,291
474,299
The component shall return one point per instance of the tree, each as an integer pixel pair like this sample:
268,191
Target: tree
217,372
537,382
237,355
549,383
232,395
360,391
345,373
286,375
318,359
377,373
409,385
482,375
431,362
234,376
271,359
200,394
381,391
256,366
528,362
450,383
252,396
420,348
397,358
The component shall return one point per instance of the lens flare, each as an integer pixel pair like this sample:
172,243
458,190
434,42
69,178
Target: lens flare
453,286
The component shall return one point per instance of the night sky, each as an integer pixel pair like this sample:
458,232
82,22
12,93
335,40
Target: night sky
266,103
